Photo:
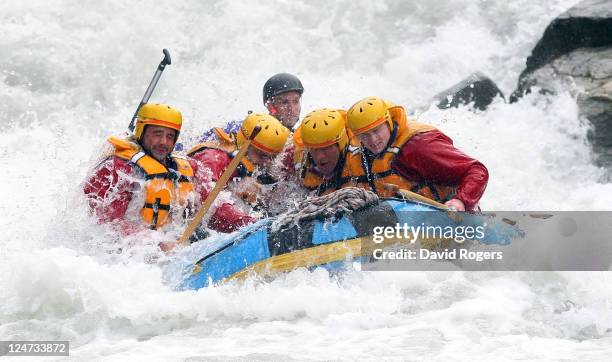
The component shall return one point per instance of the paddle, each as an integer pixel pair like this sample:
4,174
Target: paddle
151,87
413,196
219,185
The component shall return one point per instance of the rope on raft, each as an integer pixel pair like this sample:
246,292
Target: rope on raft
344,200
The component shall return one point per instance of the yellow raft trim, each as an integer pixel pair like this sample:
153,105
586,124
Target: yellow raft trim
322,254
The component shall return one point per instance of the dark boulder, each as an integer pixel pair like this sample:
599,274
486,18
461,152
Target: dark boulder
477,88
575,55
586,25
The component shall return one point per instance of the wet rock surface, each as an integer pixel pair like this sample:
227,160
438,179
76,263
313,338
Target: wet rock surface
575,54
477,89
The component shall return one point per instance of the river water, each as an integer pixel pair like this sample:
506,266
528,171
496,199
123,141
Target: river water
72,74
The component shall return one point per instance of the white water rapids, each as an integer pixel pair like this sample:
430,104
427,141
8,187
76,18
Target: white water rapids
72,73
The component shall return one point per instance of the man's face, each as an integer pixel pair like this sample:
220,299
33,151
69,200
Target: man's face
325,159
377,139
159,141
286,108
260,158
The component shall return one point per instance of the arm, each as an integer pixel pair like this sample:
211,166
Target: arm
227,219
432,156
208,166
108,193
287,162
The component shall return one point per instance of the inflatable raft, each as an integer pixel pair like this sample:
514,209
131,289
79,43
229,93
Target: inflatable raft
265,248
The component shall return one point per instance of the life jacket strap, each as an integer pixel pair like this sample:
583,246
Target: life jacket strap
137,157
157,205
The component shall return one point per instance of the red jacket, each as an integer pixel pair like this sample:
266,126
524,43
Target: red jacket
431,156
208,165
109,193
288,168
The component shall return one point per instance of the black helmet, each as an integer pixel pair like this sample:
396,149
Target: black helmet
281,83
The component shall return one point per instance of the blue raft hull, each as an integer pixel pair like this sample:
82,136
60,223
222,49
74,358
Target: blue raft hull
258,248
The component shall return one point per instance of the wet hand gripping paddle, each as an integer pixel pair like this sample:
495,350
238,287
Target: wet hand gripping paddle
219,185
413,196
152,85
453,214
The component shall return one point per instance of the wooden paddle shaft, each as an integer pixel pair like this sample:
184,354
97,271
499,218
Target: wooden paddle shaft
416,197
409,195
413,196
219,185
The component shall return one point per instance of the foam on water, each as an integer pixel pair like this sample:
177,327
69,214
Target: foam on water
72,73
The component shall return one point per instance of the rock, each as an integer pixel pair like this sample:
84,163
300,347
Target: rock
587,71
586,25
477,88
575,54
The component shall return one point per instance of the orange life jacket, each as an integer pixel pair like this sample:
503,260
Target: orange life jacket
163,187
379,171
314,181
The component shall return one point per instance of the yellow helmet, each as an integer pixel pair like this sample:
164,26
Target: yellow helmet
368,114
271,138
324,127
155,114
